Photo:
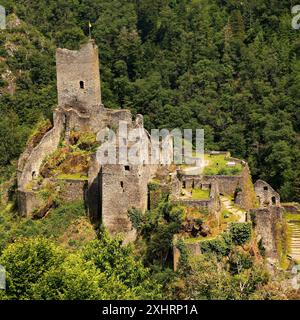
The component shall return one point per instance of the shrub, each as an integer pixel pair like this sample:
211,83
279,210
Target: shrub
220,246
240,232
135,217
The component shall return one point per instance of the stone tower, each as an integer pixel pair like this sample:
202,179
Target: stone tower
78,78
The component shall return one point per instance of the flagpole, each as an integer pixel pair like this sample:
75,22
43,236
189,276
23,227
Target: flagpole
90,33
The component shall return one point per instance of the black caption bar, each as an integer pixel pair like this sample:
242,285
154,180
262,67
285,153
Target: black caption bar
142,309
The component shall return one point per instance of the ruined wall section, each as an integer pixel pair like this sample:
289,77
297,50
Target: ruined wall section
245,197
266,195
212,205
47,145
28,202
94,194
123,187
265,222
72,190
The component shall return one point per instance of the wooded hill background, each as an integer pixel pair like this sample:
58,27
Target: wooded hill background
230,67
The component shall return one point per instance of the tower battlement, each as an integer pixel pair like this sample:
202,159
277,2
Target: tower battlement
78,77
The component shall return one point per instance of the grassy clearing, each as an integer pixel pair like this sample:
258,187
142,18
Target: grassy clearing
217,165
75,176
199,194
195,194
198,239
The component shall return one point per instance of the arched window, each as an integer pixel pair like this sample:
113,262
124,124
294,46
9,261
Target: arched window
81,83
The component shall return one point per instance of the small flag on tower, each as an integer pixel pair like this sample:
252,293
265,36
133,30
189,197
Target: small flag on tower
90,26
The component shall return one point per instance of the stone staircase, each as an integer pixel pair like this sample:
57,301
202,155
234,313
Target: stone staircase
227,204
294,226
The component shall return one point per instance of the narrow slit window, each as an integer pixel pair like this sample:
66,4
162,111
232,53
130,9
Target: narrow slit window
81,83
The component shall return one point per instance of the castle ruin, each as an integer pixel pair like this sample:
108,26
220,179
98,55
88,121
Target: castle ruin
110,190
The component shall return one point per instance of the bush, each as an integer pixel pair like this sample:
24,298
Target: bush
135,217
26,261
220,246
240,232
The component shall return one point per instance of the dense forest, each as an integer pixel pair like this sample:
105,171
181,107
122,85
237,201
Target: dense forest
229,67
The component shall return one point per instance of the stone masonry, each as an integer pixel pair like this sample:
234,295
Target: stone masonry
112,189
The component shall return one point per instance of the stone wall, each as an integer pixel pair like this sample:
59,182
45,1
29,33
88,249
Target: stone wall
73,190
47,145
30,163
266,195
227,184
245,198
193,248
265,222
94,119
291,207
94,191
78,77
122,188
212,205
28,202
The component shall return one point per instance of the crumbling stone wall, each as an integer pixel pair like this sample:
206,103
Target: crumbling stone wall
78,78
29,170
227,184
265,222
212,205
194,249
291,207
94,195
73,190
122,188
28,202
266,195
245,196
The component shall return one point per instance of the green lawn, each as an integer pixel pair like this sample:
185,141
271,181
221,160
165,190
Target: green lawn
292,216
76,176
199,194
217,165
198,239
